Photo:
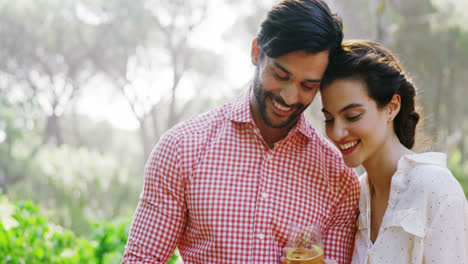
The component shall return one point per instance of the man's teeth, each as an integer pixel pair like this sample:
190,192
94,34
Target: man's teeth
348,145
281,107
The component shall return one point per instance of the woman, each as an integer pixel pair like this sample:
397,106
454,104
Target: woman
412,209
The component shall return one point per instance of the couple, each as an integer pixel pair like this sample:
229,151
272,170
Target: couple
225,186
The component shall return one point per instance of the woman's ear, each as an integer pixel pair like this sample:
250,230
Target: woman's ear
393,107
255,52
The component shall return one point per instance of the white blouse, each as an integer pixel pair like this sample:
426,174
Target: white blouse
426,220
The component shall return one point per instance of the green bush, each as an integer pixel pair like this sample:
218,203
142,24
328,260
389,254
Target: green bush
28,237
75,185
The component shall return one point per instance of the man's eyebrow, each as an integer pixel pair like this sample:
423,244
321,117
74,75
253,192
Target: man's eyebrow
281,67
286,71
344,108
313,80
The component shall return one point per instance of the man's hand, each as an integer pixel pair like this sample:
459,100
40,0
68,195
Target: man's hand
325,261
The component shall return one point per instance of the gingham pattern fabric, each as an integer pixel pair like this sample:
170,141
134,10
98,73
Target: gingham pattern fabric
215,190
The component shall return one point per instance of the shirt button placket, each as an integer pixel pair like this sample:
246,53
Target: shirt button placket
262,214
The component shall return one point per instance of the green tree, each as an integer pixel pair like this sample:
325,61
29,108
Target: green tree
434,51
19,140
165,54
43,51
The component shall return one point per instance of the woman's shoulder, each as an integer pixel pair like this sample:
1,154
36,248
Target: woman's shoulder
426,166
428,173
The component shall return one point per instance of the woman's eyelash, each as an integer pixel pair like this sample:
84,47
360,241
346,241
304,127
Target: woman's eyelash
352,118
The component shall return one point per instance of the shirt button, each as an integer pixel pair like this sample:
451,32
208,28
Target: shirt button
264,195
268,157
261,236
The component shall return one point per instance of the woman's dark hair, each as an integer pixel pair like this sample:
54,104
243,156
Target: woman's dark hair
372,63
295,25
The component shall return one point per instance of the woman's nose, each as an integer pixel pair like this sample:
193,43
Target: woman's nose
338,132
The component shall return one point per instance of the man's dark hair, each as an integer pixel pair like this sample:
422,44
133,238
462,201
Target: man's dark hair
299,25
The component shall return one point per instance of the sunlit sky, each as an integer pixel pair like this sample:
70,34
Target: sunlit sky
102,103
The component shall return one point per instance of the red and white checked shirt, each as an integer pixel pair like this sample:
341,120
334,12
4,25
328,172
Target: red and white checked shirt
214,189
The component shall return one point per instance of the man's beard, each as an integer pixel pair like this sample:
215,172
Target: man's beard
260,98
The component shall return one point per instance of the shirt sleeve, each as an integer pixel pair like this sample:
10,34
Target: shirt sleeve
339,237
447,239
160,216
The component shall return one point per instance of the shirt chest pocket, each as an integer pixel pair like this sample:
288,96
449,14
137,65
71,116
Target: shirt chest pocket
410,221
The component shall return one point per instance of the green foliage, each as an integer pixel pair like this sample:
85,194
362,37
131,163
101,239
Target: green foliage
17,137
28,237
111,239
82,131
34,240
75,185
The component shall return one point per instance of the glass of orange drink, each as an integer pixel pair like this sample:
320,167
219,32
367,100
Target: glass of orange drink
305,245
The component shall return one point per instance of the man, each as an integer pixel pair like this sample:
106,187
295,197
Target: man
225,186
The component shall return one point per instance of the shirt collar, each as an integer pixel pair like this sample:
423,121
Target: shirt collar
304,127
240,110
408,162
241,113
400,179
428,158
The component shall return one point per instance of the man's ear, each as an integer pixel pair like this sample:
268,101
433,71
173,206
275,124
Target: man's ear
255,52
393,107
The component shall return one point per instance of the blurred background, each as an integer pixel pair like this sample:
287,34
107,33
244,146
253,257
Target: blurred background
87,87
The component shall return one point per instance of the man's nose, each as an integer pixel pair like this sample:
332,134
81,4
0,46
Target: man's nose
290,93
